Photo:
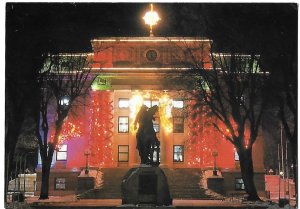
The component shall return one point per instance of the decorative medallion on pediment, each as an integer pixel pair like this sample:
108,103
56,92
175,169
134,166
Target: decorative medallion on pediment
152,55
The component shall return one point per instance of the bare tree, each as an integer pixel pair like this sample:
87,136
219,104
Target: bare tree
288,111
232,90
63,80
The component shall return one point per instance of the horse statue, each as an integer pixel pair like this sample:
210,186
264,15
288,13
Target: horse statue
147,141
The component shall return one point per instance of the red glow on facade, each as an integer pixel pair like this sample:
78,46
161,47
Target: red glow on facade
101,126
204,139
71,128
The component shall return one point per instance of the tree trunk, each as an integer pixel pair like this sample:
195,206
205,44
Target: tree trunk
45,179
7,172
295,169
246,164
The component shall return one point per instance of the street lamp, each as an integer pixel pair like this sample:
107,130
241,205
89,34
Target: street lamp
151,18
215,154
87,152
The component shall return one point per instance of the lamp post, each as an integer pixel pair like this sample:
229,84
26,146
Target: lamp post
215,154
151,18
87,153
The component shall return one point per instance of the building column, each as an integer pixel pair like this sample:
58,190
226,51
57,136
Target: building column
132,150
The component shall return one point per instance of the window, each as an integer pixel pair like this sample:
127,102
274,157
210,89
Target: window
156,125
177,104
236,156
154,102
147,103
64,101
239,184
150,103
123,153
123,103
62,153
178,153
39,163
123,124
60,183
178,125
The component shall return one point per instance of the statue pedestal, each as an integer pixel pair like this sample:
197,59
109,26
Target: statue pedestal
145,185
216,183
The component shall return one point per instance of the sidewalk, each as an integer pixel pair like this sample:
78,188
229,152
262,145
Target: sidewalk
72,202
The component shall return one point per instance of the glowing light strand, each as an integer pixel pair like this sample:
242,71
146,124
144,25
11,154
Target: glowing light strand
202,140
165,108
72,128
101,126
165,112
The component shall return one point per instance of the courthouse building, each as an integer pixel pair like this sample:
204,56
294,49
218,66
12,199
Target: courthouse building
129,72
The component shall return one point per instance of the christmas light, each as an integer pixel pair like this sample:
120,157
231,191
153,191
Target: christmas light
101,129
165,112
203,138
165,108
71,129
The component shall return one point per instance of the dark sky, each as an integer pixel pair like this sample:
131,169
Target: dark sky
70,26
36,28
33,29
73,25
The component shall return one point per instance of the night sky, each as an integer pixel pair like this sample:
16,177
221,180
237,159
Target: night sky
70,26
33,29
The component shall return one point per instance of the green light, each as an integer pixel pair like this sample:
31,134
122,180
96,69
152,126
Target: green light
102,83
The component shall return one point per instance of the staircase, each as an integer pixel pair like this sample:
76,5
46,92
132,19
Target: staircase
183,184
110,187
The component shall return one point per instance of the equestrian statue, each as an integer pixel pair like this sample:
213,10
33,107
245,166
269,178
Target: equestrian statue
147,142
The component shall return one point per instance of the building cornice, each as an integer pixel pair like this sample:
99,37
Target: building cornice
151,39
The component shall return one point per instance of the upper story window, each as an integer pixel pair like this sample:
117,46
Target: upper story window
178,125
177,104
61,154
123,103
123,124
156,125
150,103
64,101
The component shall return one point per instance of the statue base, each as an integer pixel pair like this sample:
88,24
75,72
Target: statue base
145,185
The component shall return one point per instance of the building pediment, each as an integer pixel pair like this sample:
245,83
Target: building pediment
147,52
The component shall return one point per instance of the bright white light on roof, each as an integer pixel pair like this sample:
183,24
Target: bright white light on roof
151,18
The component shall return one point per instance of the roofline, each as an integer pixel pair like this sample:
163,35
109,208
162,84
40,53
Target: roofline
151,39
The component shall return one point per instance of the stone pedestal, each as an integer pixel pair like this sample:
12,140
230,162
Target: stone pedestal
216,184
87,181
145,185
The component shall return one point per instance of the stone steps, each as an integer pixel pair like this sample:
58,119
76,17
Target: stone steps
183,184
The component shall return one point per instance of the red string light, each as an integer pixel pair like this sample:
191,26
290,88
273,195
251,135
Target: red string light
71,128
101,126
202,139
